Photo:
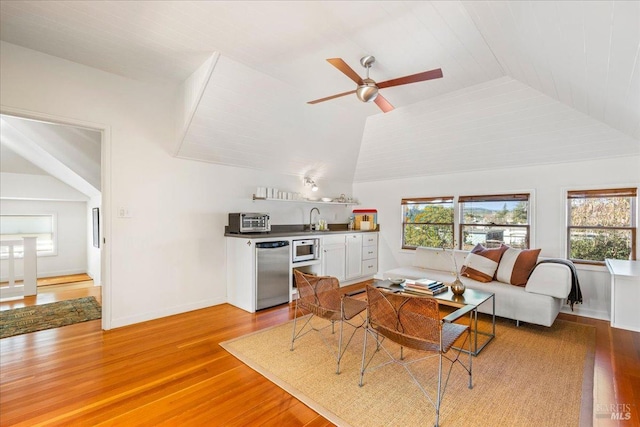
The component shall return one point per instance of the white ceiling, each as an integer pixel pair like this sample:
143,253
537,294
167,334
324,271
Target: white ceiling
583,54
68,153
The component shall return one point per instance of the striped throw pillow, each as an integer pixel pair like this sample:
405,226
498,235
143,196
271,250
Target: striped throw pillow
481,263
516,265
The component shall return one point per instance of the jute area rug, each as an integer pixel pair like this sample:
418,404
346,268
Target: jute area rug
47,316
526,376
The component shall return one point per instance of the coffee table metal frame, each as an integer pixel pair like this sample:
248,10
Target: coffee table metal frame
474,298
470,297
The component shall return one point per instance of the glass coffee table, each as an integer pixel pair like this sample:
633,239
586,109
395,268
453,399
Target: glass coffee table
470,297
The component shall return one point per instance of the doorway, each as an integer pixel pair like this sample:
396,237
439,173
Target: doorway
81,164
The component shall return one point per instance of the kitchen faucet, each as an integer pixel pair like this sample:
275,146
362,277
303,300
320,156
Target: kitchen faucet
311,213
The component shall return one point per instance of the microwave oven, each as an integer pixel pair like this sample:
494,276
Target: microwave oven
249,223
305,250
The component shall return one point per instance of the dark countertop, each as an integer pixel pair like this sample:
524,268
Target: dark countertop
298,230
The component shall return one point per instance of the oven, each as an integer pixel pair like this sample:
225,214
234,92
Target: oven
305,250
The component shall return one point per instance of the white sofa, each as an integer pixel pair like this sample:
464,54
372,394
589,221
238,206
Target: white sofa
538,302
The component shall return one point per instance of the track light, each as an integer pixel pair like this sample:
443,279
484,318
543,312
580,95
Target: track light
309,181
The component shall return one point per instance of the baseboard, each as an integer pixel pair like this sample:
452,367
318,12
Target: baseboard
143,317
585,312
48,274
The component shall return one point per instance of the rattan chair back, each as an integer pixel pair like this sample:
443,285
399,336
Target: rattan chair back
319,294
411,321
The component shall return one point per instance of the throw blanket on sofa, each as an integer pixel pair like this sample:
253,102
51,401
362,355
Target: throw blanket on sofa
575,295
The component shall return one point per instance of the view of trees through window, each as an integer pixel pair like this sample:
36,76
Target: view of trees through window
494,220
427,222
601,224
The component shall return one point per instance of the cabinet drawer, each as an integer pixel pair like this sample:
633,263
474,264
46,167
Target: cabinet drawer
369,252
369,266
370,239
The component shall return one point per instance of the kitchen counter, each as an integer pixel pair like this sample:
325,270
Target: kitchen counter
297,230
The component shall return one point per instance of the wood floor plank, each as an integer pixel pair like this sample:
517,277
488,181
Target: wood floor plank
172,371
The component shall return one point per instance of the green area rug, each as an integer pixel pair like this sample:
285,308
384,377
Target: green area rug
47,316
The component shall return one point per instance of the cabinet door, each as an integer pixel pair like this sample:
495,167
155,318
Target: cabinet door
354,256
333,261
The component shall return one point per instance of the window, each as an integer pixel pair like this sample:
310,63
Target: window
15,227
427,222
601,224
493,220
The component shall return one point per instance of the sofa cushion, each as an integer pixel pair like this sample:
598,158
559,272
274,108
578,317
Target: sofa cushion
516,265
481,263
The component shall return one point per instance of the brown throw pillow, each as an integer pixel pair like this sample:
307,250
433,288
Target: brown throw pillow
516,265
481,263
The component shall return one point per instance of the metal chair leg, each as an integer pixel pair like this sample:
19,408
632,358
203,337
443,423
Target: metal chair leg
295,318
339,348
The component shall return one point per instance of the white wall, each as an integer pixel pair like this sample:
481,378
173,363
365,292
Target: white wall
71,257
169,256
548,185
36,187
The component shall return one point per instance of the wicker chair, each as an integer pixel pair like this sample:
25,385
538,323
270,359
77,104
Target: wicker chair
321,296
414,322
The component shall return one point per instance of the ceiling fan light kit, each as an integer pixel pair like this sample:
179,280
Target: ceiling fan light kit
367,89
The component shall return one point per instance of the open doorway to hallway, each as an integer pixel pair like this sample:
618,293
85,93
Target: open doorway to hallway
51,187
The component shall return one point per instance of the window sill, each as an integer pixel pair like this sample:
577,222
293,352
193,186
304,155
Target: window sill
590,267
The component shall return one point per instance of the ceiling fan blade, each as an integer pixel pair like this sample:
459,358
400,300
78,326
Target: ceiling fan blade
382,102
414,78
331,97
348,71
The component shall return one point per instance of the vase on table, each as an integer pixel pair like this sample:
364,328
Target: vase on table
457,287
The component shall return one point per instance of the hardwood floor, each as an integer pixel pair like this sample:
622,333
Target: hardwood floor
172,371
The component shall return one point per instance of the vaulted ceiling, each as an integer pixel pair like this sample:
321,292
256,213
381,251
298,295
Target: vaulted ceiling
69,154
580,57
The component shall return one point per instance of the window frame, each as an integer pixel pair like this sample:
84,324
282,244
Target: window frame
602,193
54,234
505,197
427,200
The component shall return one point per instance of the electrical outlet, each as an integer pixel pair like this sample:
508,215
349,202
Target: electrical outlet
124,213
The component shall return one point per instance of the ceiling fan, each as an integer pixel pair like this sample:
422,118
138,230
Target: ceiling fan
367,90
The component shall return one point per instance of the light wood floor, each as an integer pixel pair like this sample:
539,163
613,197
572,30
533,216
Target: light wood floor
172,371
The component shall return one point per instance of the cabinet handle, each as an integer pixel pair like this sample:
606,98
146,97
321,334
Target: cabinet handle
248,242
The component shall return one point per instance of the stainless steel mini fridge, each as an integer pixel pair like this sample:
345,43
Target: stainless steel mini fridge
272,273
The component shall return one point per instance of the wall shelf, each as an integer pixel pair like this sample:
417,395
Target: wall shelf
265,199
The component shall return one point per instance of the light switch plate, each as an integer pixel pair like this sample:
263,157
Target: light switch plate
124,212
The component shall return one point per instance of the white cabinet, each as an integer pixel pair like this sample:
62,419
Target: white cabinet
333,257
369,254
350,257
354,256
241,273
625,293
